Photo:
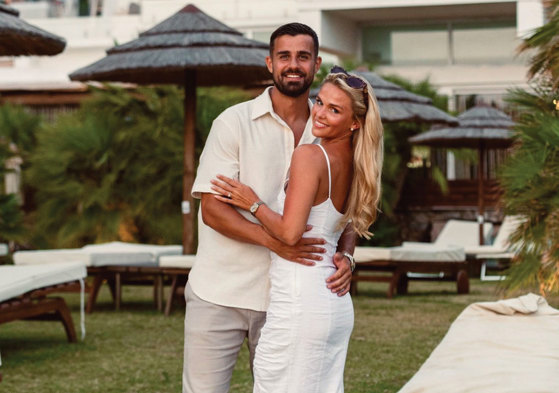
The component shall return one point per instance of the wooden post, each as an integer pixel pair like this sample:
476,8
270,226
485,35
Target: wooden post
187,206
480,191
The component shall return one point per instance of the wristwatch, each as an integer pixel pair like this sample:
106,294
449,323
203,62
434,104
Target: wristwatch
255,207
351,260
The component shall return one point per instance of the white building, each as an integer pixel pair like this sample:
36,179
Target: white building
464,47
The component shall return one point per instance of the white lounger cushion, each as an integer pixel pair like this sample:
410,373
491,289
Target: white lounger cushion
106,254
17,280
507,346
88,257
366,254
496,255
154,249
410,253
177,261
463,233
459,233
447,253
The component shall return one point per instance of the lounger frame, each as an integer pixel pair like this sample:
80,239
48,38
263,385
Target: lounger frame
35,305
398,279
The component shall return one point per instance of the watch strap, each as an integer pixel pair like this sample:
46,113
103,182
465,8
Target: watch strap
351,260
255,206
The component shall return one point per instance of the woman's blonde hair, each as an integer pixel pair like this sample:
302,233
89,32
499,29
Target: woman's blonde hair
368,152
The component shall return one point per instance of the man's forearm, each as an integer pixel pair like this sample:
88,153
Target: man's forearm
340,281
224,219
347,240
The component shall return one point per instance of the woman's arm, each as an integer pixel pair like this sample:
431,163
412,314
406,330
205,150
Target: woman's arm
226,220
306,166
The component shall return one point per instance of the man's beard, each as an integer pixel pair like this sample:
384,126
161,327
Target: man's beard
293,89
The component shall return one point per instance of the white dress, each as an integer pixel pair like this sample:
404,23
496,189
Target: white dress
303,344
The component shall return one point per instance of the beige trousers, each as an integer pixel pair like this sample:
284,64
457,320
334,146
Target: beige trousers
213,336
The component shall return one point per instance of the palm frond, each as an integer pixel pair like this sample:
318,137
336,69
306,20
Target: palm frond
530,179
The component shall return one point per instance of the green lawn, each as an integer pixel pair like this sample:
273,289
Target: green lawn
137,349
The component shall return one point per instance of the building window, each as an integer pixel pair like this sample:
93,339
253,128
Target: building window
439,44
405,45
493,43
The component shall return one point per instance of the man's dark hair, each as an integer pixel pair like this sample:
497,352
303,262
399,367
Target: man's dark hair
294,29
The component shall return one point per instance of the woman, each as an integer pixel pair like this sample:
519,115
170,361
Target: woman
303,345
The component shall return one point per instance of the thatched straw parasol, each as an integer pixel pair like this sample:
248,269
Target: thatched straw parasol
480,128
397,104
188,48
19,38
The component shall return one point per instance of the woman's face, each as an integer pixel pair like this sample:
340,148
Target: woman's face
332,114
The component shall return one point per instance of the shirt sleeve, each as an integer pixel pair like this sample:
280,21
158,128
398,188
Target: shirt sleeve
220,155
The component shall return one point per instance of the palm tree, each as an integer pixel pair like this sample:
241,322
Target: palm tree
530,179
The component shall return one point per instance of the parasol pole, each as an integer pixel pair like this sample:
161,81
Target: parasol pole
480,191
187,205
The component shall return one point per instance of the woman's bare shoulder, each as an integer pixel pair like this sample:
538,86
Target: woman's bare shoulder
308,159
307,151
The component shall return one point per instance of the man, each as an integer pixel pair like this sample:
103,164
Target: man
227,290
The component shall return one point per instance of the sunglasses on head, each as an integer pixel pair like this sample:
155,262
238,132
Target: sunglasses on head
353,82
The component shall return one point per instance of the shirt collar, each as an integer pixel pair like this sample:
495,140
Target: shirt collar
263,105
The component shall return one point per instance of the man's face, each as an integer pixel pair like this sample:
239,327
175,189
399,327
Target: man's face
293,64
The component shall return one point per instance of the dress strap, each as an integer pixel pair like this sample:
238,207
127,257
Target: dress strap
329,174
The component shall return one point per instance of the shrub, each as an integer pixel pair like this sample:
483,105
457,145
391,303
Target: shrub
113,170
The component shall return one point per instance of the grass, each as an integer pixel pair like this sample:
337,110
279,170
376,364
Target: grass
137,349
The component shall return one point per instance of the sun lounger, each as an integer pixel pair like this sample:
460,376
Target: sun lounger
399,261
459,233
499,250
100,255
507,346
501,243
155,250
24,290
177,268
135,273
112,262
90,258
463,233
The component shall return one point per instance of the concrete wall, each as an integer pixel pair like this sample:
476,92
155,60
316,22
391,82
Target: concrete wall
339,35
336,22
530,15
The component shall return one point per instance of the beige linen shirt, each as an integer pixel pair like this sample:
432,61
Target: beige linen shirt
249,142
